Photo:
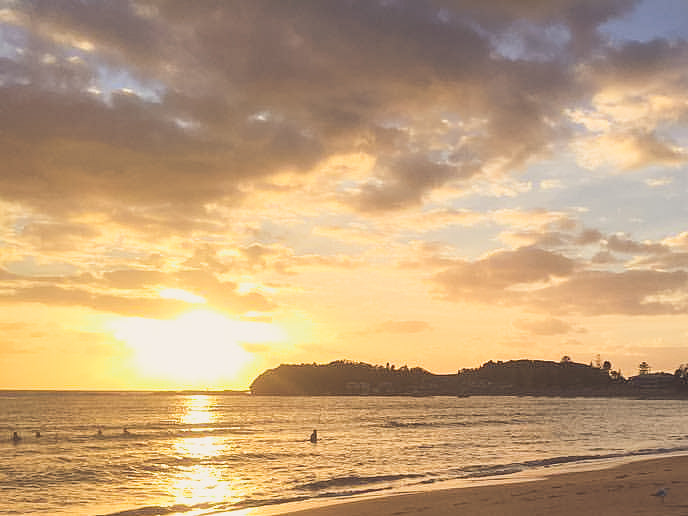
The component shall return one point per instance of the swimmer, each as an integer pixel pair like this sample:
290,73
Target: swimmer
314,436
125,431
37,433
99,433
15,437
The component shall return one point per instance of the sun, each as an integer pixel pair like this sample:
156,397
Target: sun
201,347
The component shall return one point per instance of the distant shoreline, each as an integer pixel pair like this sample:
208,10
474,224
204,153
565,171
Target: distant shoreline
130,391
523,377
531,394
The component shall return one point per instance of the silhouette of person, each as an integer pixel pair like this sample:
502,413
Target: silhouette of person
314,436
37,433
15,437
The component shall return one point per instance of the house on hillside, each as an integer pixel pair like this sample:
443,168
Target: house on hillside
654,381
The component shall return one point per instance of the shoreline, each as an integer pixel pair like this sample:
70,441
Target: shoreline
619,486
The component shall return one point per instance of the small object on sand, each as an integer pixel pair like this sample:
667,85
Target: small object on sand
662,493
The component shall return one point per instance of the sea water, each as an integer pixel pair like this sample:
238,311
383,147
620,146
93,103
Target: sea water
201,454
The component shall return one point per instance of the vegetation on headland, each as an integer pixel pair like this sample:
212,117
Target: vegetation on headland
514,377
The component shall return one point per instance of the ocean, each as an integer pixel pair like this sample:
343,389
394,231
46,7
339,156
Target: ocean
202,454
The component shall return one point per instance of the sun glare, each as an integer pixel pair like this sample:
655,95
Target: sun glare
198,348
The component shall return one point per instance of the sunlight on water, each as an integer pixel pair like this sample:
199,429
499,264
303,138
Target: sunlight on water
199,410
204,481
201,484
203,454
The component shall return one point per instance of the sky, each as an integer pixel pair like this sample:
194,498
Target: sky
193,192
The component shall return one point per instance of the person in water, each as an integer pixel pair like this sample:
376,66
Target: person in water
126,431
37,433
15,437
314,436
99,433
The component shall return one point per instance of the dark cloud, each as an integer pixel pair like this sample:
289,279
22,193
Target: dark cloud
622,244
664,261
604,258
236,91
654,281
634,292
495,277
524,278
149,115
57,236
632,64
405,184
588,236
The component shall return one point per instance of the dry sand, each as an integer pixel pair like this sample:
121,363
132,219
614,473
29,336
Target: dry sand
621,490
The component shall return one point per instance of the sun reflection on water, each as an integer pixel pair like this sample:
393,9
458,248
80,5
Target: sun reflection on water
198,410
203,480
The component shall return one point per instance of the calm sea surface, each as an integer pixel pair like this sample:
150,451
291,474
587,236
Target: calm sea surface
198,455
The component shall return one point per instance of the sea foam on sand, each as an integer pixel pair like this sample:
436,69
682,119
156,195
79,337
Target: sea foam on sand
620,490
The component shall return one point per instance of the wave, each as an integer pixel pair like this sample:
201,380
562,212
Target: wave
89,436
159,510
355,485
506,469
355,480
393,423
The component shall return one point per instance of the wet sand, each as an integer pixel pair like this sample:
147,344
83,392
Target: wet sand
621,490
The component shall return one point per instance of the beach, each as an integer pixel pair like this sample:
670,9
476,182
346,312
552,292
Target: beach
621,490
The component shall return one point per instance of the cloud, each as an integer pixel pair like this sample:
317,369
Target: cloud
544,327
151,110
634,292
639,97
679,241
659,181
405,185
500,276
622,244
654,282
592,293
209,146
629,151
131,292
57,235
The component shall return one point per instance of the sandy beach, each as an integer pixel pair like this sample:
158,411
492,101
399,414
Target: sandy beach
621,490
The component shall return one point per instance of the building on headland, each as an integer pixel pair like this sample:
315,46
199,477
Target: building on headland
653,381
360,388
